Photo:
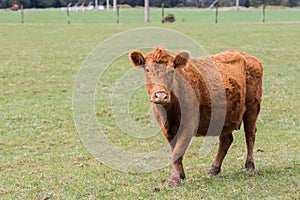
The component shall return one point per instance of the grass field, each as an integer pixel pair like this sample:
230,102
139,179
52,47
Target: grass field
42,156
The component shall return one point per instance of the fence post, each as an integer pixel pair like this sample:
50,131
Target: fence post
162,13
68,14
264,10
217,14
118,16
146,2
22,14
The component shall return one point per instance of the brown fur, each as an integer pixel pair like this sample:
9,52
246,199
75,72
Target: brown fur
241,76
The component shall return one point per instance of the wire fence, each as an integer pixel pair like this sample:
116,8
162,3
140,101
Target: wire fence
220,15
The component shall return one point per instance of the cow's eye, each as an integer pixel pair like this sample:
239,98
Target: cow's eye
147,69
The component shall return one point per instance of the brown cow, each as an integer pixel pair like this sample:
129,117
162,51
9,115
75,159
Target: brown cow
189,94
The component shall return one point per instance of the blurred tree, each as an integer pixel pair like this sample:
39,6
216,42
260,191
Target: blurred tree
25,3
42,3
132,2
256,3
7,3
63,3
247,3
294,3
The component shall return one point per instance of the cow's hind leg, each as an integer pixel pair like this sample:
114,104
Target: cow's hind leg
225,141
249,119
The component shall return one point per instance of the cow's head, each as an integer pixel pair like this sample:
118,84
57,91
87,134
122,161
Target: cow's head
159,67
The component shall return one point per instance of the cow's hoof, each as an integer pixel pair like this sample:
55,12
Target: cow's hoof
249,165
174,182
214,170
175,179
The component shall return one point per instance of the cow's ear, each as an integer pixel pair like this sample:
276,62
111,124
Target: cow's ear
181,59
136,58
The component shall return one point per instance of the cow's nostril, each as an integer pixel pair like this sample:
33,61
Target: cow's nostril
161,95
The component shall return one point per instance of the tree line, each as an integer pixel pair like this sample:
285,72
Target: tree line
154,3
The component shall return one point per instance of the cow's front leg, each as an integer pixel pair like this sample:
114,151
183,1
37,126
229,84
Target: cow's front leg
179,145
178,166
177,173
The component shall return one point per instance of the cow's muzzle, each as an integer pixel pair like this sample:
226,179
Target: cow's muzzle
160,97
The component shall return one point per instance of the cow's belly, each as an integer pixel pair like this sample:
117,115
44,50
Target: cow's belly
223,118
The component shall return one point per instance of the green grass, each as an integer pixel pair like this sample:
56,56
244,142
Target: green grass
42,156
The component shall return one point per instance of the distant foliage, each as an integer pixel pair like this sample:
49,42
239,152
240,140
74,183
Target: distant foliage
154,3
40,3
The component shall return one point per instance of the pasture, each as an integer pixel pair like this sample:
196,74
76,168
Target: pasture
41,153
